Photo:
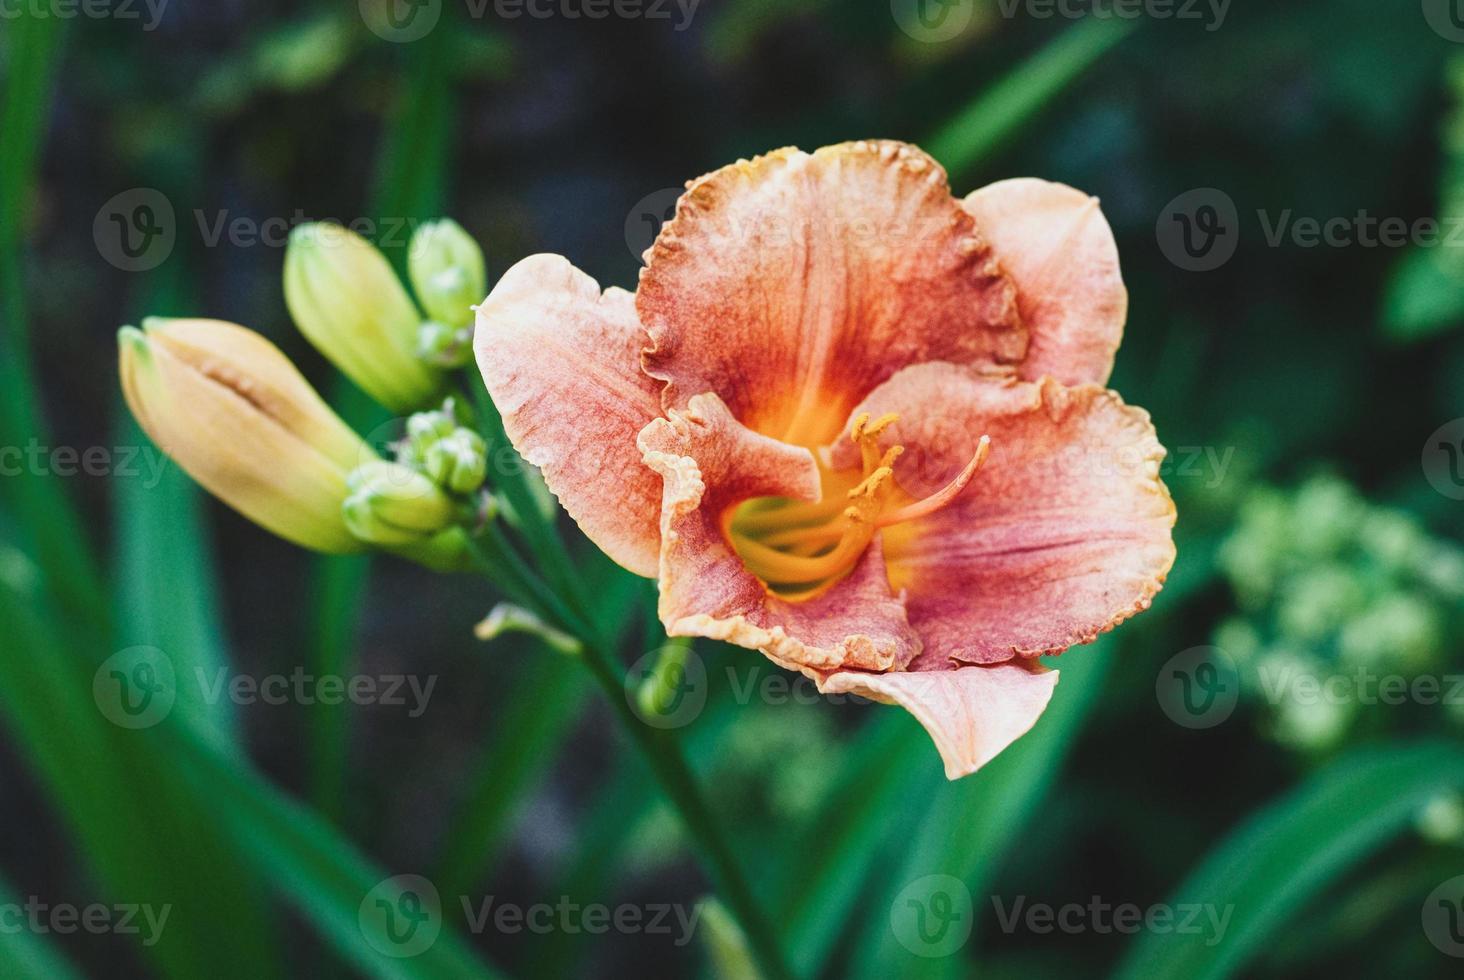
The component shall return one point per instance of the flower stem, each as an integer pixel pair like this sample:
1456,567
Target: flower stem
659,748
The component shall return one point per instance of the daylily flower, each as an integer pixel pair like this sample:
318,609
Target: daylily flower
855,424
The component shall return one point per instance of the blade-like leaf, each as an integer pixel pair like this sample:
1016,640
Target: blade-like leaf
40,505
969,824
891,761
998,112
1285,854
27,955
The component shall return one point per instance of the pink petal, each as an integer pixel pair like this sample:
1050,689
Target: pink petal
562,362
711,463
792,284
1055,244
1064,532
971,713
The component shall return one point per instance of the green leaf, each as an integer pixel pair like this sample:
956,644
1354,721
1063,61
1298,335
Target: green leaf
891,761
116,785
40,506
25,955
167,591
969,825
547,697
999,112
320,873
1287,853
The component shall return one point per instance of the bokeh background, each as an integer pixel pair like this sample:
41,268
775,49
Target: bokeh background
1308,381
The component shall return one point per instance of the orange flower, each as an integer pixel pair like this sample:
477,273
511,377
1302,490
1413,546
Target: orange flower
855,424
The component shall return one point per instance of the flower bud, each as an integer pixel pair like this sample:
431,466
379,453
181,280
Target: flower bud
236,415
424,430
444,346
447,271
393,505
458,462
345,298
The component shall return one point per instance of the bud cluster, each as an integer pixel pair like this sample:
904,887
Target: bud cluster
433,483
234,412
348,302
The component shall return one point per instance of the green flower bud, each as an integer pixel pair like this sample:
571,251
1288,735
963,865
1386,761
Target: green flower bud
459,462
447,271
393,505
444,346
347,301
425,430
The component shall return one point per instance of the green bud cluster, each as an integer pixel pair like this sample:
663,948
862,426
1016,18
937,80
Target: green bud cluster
433,484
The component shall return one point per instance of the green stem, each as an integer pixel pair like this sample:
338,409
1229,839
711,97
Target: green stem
660,750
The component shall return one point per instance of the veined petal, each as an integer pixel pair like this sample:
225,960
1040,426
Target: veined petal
1065,533
791,285
710,463
1057,247
971,713
562,362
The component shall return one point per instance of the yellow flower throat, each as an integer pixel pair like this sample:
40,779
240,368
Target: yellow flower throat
799,548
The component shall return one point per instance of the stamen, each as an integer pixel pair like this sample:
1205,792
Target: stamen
941,497
866,436
799,548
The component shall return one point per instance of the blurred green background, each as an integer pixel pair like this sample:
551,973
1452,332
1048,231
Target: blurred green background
1307,386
